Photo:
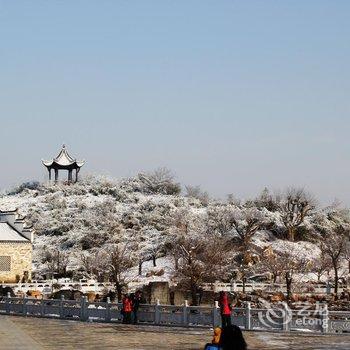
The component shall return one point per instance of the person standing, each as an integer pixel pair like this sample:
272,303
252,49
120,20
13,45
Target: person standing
225,309
136,301
127,309
232,339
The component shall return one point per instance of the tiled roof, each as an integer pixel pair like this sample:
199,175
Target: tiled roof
8,233
63,159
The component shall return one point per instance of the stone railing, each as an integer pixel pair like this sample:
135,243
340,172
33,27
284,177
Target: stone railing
46,287
317,288
247,318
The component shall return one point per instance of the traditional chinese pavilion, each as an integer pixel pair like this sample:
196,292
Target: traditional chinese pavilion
64,162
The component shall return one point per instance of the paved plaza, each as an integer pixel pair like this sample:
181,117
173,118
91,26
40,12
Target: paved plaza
25,333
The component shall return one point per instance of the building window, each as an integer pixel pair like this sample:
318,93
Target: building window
5,263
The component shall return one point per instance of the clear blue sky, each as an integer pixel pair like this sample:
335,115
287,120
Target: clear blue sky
231,95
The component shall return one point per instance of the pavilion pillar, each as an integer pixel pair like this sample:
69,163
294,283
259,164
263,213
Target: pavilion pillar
56,175
70,175
76,174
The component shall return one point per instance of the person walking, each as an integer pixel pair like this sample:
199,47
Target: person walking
225,309
126,309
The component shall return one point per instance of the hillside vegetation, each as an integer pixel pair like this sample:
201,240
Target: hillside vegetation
105,228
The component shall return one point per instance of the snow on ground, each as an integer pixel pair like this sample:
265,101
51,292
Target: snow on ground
93,212
304,249
165,269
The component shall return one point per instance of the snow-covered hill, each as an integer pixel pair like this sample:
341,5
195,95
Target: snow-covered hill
78,219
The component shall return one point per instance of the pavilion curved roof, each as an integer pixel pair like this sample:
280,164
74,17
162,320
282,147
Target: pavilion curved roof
63,159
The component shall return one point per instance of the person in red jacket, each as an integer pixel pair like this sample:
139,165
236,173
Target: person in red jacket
127,309
225,309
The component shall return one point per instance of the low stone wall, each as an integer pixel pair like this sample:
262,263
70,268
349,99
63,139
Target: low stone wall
157,291
20,255
316,321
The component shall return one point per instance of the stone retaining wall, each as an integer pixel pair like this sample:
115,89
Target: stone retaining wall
20,256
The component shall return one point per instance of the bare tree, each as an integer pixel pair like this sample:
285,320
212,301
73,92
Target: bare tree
141,249
199,257
333,245
94,263
292,262
86,262
48,258
267,200
201,260
182,223
333,227
62,262
161,180
56,262
240,225
150,246
347,254
219,219
270,263
246,264
233,200
117,259
295,205
321,265
156,248
142,256
196,192
246,223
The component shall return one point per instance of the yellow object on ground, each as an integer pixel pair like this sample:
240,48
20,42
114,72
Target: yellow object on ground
217,335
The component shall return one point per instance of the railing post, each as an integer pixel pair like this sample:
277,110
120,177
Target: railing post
216,318
83,309
185,314
248,324
108,310
86,306
286,318
157,312
61,306
7,302
24,308
42,310
325,319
